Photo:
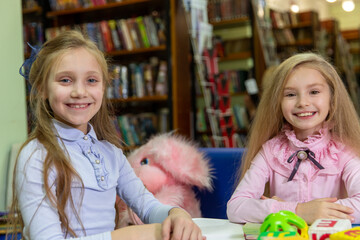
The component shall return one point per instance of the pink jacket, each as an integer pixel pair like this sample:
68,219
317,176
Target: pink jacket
340,177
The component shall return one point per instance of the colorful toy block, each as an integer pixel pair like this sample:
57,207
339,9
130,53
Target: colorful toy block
321,229
285,221
350,234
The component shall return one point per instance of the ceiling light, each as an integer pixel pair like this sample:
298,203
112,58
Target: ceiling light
294,7
348,5
331,1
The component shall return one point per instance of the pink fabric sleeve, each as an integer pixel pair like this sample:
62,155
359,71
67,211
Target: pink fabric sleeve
245,204
351,178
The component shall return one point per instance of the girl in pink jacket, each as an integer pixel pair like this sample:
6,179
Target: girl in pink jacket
304,147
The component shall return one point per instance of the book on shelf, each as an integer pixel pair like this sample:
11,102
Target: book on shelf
160,27
293,18
124,130
134,130
143,32
99,37
201,123
237,46
28,4
115,35
57,5
149,80
138,79
106,36
276,19
164,126
126,33
237,32
240,115
219,10
33,34
148,124
161,81
91,31
134,33
151,31
237,80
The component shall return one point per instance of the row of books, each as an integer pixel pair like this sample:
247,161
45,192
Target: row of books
71,4
284,19
121,34
33,34
294,36
136,129
236,112
238,139
219,10
237,80
27,4
138,79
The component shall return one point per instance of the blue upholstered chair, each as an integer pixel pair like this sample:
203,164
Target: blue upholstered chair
225,163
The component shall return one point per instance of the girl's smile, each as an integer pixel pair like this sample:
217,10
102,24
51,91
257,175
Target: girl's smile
305,114
76,89
306,101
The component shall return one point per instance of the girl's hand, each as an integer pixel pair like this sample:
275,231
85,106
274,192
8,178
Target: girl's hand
179,225
323,208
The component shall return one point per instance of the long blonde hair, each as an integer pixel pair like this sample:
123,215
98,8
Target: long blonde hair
269,120
56,158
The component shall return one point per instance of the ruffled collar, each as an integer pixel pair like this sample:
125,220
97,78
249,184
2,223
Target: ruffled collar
313,142
327,151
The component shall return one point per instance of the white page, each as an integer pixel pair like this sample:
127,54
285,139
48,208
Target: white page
215,229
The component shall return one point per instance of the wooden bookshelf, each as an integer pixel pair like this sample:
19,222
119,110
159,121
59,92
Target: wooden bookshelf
233,33
92,9
150,50
173,50
295,32
141,99
33,10
353,39
227,23
328,45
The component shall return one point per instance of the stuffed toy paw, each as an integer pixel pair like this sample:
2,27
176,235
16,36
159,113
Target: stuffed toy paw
169,167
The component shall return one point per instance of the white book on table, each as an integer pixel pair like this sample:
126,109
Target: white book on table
215,229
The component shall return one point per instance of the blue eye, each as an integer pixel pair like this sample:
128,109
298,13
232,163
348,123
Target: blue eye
92,80
65,80
145,161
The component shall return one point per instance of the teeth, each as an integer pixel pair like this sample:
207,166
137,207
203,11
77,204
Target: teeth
305,114
78,106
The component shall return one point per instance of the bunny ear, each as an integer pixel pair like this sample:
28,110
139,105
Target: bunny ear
182,159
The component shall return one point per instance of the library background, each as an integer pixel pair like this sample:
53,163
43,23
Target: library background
196,67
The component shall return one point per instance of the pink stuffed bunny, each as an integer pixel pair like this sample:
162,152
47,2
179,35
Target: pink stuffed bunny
169,167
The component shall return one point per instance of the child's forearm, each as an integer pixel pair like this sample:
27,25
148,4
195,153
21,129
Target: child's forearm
242,209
